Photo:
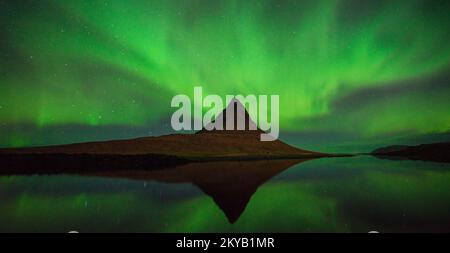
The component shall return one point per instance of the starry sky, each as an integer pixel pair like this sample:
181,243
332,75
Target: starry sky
350,74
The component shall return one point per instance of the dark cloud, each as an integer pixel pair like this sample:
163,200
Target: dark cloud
370,95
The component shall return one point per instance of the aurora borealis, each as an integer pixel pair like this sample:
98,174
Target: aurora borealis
85,69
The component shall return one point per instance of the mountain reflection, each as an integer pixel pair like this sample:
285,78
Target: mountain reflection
230,184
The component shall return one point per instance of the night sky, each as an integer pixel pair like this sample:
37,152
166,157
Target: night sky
349,73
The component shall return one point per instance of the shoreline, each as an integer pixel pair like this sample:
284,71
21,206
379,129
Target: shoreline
58,163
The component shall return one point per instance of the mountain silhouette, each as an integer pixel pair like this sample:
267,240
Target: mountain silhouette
230,118
157,152
227,165
230,184
436,152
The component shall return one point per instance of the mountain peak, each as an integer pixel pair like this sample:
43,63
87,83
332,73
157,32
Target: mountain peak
233,117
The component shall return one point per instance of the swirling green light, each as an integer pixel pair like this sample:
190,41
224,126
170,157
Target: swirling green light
119,63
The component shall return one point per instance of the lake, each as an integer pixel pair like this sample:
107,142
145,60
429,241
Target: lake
348,194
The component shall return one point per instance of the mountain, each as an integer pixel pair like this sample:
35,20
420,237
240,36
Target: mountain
437,152
388,149
156,152
234,112
203,145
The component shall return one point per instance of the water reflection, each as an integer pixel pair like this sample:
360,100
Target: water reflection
230,184
357,194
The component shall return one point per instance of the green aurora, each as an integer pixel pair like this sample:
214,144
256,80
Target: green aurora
364,70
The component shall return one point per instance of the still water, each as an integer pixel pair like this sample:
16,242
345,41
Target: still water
355,194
